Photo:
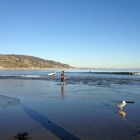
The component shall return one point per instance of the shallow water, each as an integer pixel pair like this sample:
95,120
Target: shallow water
8,101
84,110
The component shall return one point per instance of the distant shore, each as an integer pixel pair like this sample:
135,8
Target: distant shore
32,68
12,61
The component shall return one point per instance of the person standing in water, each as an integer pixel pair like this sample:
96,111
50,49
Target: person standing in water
62,78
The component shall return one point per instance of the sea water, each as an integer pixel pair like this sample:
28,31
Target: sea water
71,74
102,77
84,108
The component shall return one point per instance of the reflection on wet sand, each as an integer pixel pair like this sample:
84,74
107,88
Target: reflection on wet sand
121,113
62,92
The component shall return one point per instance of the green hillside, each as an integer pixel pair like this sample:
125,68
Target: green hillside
28,62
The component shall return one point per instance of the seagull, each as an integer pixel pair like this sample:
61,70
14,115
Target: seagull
120,105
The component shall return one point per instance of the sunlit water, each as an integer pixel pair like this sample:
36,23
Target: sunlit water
84,108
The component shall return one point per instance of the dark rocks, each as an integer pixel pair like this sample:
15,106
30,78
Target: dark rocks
22,136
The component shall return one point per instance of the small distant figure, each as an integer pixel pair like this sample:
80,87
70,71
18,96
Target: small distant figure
62,78
121,105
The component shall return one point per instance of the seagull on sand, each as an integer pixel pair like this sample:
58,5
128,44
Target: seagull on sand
120,105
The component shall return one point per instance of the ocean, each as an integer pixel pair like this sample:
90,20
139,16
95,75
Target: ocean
104,77
71,74
83,109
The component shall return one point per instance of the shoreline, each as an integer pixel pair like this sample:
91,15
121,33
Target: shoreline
33,68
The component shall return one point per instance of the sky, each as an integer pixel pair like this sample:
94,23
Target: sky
81,33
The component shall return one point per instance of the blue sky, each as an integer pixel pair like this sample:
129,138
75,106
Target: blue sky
81,33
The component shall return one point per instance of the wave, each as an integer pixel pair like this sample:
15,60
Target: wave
68,74
136,73
81,79
106,73
19,76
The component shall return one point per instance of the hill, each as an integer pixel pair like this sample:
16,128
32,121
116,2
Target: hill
28,62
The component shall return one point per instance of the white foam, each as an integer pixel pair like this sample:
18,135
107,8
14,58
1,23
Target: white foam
30,76
20,75
136,73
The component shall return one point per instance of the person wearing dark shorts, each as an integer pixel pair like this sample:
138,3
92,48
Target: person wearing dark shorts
62,78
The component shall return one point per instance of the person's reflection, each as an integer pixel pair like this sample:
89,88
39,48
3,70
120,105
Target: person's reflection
62,92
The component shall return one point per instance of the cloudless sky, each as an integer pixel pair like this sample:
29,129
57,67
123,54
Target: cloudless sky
81,33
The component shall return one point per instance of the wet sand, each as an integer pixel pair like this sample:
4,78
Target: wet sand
47,110
8,101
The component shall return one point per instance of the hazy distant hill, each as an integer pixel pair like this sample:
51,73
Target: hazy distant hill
29,62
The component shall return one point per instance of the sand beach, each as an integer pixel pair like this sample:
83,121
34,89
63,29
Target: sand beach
45,109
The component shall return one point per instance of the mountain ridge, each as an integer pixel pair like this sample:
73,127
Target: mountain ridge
14,61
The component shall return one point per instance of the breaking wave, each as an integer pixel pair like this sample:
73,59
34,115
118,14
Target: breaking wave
68,74
87,78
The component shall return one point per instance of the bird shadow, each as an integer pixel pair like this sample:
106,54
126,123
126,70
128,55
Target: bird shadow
46,123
